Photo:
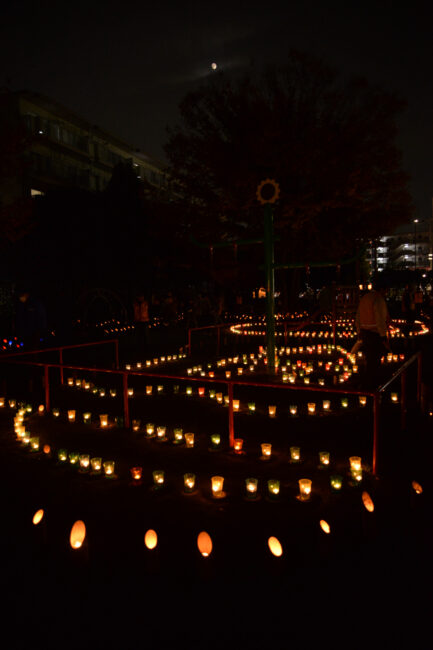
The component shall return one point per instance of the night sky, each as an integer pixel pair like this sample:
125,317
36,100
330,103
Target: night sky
124,66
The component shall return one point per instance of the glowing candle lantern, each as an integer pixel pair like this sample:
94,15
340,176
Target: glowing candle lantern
362,400
138,365
236,405
189,440
150,539
2,402
37,517
217,487
275,546
84,461
102,392
62,455
326,404
148,363
212,393
293,409
306,380
113,392
355,463
311,408
25,438
201,391
28,408
41,408
78,534
158,477
325,526
251,406
226,400
304,489
211,374
237,445
416,487
394,397
149,390
219,398
266,450
150,430
109,468
96,465
161,433
189,483
356,475
240,370
215,441
103,419
46,449
189,371
272,410
368,502
78,383
273,487
136,474
34,443
87,417
178,436
251,487
295,454
70,381
136,425
74,457
344,402
12,403
228,374
189,390
86,385
204,543
71,416
130,392
324,458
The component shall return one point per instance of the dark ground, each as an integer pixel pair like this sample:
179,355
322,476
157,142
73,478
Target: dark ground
368,582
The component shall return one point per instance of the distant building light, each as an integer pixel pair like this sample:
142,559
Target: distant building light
34,192
41,132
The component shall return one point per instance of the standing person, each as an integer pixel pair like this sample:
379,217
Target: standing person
141,321
372,322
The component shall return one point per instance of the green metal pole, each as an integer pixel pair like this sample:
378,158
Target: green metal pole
270,286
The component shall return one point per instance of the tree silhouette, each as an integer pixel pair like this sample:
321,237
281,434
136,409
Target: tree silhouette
329,143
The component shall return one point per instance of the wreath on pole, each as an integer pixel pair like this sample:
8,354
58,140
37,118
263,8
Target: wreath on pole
268,191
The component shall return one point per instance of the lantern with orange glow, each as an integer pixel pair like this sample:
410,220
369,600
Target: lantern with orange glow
416,487
84,462
189,483
136,474
362,400
78,534
204,543
103,419
37,517
236,405
251,487
304,489
136,425
295,454
324,459
62,455
275,546
150,540
158,476
326,405
237,445
266,448
325,526
272,410
109,468
217,483
189,440
34,443
178,436
71,416
293,409
96,465
368,502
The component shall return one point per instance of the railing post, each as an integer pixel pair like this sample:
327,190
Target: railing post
47,388
231,422
376,424
403,400
125,400
61,364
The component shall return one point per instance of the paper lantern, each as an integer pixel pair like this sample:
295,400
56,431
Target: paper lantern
344,402
362,400
251,406
219,398
368,502
136,425
355,463
273,487
236,405
113,392
275,546
136,473
62,455
102,392
217,486
326,404
84,461
293,409
87,417
70,381
189,482
272,410
416,487
324,458
178,436
74,457
304,489
150,539
41,408
295,454
251,487
96,465
158,477
78,534
71,416
394,397
325,526
103,419
109,468
266,450
204,543
189,440
130,392
237,445
38,516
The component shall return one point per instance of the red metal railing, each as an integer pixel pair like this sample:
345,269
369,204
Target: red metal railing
376,395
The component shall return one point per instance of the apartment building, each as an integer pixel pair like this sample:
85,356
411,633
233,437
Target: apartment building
410,247
65,150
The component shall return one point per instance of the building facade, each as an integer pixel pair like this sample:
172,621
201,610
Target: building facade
64,150
410,247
